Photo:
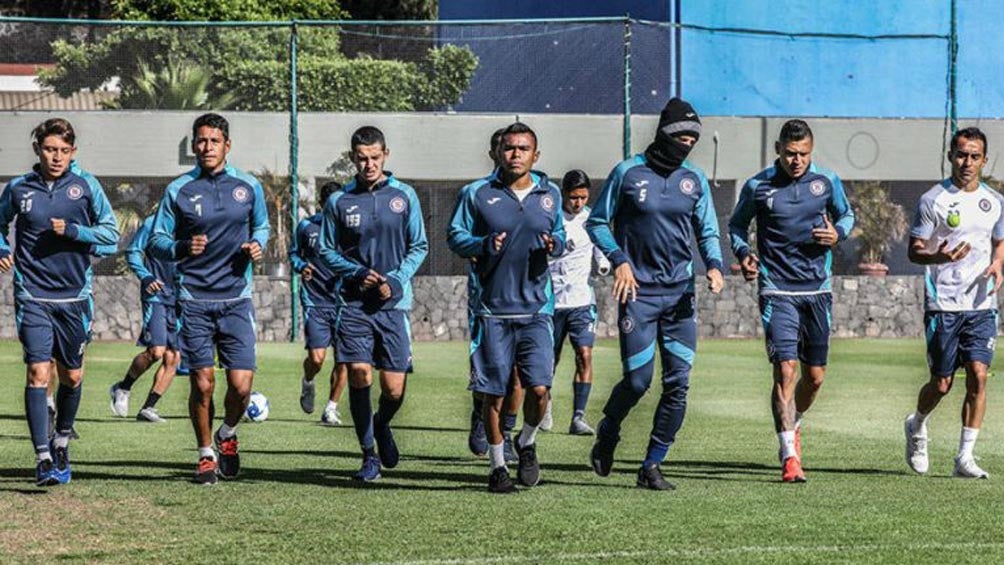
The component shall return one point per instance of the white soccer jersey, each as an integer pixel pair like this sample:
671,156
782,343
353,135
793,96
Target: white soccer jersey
570,272
947,212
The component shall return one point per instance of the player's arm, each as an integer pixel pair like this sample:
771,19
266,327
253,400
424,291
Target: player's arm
105,228
840,208
600,263
418,249
459,234
340,265
920,250
7,212
135,255
555,240
260,228
739,225
598,226
704,220
996,268
295,260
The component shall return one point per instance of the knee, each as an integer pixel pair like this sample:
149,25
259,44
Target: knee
786,371
171,358
637,384
976,383
202,385
942,385
359,375
538,392
316,358
155,353
71,378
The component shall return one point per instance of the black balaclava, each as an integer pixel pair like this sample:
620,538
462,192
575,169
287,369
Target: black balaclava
666,153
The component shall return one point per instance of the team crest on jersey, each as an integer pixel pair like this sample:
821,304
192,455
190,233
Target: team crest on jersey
397,205
627,324
817,188
74,192
547,203
687,186
984,204
241,194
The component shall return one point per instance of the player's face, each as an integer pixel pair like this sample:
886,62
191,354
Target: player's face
369,160
967,159
519,153
795,156
575,199
54,156
211,148
686,139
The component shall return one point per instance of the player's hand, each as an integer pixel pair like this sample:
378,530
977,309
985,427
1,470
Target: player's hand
154,287
384,291
716,282
499,241
307,273
7,263
995,271
548,242
58,225
371,280
750,267
625,286
959,252
826,235
253,250
198,244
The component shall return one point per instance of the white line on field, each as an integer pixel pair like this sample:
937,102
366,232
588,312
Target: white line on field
751,549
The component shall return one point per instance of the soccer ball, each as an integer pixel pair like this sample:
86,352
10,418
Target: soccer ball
257,410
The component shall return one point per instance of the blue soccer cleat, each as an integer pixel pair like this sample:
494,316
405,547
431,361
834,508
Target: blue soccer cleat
44,474
386,446
61,465
477,440
370,471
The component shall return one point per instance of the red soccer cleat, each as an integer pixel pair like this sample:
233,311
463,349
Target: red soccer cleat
791,471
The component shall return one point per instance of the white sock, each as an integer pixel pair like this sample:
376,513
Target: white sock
226,432
45,455
50,401
307,383
967,442
207,452
332,406
61,440
528,435
798,419
920,421
496,456
787,441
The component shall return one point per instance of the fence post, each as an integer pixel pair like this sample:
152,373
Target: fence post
953,46
626,148
294,177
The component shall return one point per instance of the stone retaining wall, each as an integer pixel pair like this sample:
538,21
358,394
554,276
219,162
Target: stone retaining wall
862,307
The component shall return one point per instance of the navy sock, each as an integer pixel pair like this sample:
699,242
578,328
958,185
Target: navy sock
580,393
362,415
508,423
656,452
67,403
127,382
151,400
387,407
37,413
477,404
667,421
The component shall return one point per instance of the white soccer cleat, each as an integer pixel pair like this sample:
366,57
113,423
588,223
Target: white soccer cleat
916,447
119,400
150,415
968,469
547,421
307,390
330,417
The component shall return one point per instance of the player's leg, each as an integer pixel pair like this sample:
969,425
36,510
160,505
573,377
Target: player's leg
513,402
34,330
50,397
582,335
561,327
781,333
197,330
153,337
339,380
813,352
315,330
942,337
392,355
976,345
354,349
638,323
535,360
492,359
236,346
71,325
162,380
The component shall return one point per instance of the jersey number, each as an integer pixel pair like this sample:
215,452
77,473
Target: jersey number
353,220
198,210
642,194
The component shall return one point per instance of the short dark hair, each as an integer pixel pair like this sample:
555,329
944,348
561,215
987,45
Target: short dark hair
576,178
493,144
368,135
327,189
54,126
794,130
214,121
517,128
969,133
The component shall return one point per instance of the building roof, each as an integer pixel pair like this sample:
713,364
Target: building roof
40,101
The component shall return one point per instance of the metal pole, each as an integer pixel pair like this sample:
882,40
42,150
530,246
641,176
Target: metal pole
677,35
294,178
626,148
953,47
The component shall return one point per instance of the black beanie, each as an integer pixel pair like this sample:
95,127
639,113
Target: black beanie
679,117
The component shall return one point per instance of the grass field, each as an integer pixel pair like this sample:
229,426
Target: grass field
131,499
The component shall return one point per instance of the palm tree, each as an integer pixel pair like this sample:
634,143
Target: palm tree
177,86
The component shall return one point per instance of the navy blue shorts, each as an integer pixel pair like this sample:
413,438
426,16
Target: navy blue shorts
319,327
957,338
498,344
227,326
576,324
381,339
667,323
797,327
160,326
54,330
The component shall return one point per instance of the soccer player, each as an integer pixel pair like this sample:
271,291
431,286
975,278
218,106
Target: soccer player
320,301
958,235
656,202
373,239
510,222
159,332
801,213
214,223
60,212
574,300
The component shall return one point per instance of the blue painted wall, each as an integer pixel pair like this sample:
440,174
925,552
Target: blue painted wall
658,10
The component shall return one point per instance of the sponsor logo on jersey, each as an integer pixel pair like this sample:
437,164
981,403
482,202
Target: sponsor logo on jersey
817,188
627,324
984,204
397,205
351,209
547,203
74,192
241,194
954,219
641,183
493,200
687,186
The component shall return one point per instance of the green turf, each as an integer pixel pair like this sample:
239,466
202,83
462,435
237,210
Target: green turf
131,501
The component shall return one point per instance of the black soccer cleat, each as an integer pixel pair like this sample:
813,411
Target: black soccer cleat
230,459
602,455
528,472
499,481
386,446
650,477
477,439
